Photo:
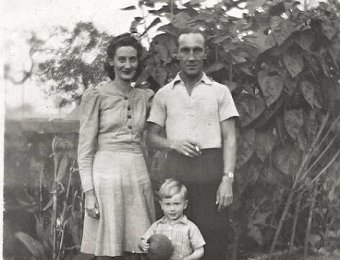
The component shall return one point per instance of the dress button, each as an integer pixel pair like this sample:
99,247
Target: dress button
130,127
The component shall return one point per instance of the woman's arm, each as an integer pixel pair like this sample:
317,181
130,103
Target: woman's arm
87,147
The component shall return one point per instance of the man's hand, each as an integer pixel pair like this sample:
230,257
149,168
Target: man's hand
224,196
186,147
91,204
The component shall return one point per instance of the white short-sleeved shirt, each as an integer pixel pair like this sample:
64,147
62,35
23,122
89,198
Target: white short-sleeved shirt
197,116
185,236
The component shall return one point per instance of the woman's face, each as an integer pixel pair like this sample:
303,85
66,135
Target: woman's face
125,63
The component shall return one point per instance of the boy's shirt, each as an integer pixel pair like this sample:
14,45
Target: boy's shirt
184,235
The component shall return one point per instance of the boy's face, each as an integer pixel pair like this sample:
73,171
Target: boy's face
173,207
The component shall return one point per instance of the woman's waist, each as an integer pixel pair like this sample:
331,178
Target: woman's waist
121,146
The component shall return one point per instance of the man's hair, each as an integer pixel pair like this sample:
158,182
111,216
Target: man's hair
172,187
189,30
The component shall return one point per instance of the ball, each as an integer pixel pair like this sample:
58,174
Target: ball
160,247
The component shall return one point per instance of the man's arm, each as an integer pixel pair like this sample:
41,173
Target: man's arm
224,194
157,139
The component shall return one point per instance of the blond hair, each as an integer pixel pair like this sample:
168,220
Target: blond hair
172,187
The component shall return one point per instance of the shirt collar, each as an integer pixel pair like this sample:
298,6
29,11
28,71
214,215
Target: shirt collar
182,220
178,79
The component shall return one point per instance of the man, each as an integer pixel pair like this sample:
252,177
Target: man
198,116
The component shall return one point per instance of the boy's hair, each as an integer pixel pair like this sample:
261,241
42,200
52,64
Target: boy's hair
172,187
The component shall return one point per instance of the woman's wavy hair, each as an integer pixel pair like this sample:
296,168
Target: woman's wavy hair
122,40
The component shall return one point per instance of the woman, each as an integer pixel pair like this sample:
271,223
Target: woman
118,195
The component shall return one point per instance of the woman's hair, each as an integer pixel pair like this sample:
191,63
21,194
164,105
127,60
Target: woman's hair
172,187
122,40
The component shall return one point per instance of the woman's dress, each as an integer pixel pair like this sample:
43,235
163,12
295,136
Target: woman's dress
111,162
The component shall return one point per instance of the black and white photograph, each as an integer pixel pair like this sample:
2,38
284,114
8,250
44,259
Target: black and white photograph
170,129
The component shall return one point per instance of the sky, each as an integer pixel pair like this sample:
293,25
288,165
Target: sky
20,17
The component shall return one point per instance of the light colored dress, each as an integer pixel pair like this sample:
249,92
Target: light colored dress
111,162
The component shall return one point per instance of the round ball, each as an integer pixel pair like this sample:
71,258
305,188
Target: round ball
160,247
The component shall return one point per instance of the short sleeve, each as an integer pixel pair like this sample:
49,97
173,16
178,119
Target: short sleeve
149,93
151,231
227,108
89,120
196,238
158,111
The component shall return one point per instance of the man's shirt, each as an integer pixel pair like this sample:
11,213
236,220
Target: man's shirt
184,235
196,116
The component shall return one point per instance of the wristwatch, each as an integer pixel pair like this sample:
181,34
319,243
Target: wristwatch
228,175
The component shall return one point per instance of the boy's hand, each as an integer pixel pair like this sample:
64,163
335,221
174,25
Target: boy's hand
144,245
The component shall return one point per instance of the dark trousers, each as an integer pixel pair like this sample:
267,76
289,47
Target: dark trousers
202,176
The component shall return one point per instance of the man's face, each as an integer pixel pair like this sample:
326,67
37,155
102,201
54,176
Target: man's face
191,54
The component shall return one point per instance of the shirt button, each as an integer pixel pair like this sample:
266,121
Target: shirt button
130,127
128,108
126,98
129,116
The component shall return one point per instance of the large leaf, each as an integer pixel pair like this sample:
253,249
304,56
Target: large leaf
62,167
160,75
286,158
156,21
181,20
256,235
275,177
246,146
305,39
281,29
293,63
265,141
260,217
196,2
215,67
250,108
168,28
289,83
329,29
34,246
252,5
307,89
293,122
128,8
271,86
261,41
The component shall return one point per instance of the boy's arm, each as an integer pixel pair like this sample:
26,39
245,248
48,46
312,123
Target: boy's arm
196,255
143,242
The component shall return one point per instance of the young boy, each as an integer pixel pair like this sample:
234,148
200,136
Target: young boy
185,236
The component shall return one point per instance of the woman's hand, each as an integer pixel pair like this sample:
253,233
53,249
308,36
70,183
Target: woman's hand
91,204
